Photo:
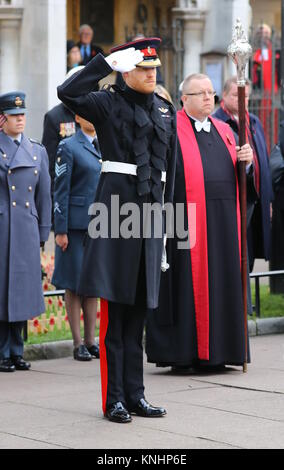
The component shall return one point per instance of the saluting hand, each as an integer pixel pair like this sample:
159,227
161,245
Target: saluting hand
124,61
62,241
245,154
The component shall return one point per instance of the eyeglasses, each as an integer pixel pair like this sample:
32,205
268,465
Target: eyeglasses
203,94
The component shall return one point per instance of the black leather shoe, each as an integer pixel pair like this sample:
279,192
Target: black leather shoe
118,413
82,354
7,366
19,363
94,350
143,408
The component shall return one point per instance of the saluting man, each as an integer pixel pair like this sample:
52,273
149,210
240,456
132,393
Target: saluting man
25,210
137,136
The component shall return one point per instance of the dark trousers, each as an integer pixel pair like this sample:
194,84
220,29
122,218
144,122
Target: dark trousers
121,350
11,340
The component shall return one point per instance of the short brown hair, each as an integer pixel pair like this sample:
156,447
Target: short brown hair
230,81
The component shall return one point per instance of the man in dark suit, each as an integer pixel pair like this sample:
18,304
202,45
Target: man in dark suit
87,48
259,214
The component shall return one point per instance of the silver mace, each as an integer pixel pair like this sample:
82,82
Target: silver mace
240,51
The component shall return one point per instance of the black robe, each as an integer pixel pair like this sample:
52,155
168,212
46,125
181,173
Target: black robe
171,329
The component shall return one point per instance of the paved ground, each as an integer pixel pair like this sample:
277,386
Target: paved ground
58,405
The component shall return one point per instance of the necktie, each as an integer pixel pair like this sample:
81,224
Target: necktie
85,58
96,144
17,142
206,126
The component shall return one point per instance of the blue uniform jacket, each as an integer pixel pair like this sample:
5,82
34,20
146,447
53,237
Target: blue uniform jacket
25,210
266,192
77,172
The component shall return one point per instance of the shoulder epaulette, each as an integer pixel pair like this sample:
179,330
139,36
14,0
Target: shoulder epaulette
60,147
33,141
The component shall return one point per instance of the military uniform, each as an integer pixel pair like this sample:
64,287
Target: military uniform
25,209
59,123
137,129
77,169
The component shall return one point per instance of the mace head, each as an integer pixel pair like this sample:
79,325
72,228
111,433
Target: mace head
240,50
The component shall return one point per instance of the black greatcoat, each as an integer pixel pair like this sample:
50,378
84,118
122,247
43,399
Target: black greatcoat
171,329
59,123
132,128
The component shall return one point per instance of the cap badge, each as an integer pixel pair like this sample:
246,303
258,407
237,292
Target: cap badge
18,101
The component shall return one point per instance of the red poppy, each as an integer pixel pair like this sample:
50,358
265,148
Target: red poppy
66,318
36,323
60,303
50,302
52,321
45,286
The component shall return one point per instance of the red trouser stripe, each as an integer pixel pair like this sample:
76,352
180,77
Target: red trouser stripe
103,355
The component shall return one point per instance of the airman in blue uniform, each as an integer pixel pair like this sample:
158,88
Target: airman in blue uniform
25,208
77,173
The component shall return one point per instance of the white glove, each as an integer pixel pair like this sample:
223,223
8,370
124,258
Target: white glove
124,61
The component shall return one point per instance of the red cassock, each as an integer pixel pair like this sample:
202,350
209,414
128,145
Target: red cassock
200,314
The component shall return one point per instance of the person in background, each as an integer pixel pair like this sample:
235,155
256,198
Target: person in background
262,79
259,199
73,55
59,123
163,92
277,226
77,172
25,210
87,48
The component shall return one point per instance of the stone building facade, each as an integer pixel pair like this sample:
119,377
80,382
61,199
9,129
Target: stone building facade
195,35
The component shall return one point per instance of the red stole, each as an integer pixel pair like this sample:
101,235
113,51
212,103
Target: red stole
195,193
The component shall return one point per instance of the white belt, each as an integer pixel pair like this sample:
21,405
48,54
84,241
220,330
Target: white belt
124,168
